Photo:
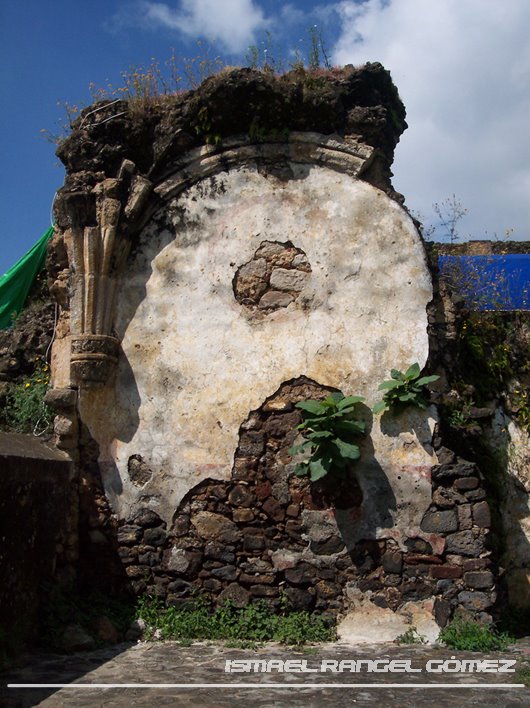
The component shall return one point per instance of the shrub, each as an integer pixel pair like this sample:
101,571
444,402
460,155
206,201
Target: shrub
329,427
25,410
411,636
253,623
468,635
404,389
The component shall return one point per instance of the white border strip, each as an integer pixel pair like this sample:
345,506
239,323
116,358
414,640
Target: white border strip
266,685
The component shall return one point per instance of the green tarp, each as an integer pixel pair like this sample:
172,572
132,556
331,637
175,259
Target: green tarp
15,284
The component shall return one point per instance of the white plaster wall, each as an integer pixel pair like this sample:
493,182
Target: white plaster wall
195,362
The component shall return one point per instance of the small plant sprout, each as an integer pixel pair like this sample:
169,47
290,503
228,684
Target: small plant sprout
411,636
404,389
329,427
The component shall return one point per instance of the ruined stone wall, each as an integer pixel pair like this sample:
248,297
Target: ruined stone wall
482,398
205,290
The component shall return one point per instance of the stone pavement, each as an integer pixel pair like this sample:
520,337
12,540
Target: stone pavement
204,663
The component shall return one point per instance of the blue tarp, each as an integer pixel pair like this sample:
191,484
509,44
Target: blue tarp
492,282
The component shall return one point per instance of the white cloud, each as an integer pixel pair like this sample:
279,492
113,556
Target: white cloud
231,23
462,68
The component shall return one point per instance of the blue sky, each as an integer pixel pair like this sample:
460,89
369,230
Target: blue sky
462,68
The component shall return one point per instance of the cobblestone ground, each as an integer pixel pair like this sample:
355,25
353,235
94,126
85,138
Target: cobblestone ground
172,663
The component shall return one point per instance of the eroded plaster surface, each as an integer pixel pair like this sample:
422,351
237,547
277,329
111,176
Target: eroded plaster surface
512,444
195,361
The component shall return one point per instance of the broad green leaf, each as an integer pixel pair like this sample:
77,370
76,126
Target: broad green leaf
412,372
314,407
346,449
349,401
389,384
330,402
318,469
301,469
297,449
406,397
426,380
337,396
310,422
345,413
353,427
320,435
397,375
380,407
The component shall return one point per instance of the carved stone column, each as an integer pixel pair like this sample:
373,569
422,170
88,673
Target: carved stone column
97,254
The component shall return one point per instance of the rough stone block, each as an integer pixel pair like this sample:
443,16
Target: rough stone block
418,545
212,585
129,535
448,472
256,578
180,560
482,515
479,579
440,521
465,543
253,540
300,574
275,299
446,572
300,600
236,594
257,565
219,552
243,515
147,518
465,520
332,545
418,558
155,536
442,611
61,398
241,495
475,564
215,527
264,591
474,601
445,456
285,279
445,498
252,444
475,494
228,573
272,508
466,483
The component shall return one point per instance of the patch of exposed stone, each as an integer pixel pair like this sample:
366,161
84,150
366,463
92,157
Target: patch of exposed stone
267,533
273,278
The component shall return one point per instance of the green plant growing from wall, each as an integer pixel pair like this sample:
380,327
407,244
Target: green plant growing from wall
404,389
411,636
330,428
203,128
25,410
468,635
